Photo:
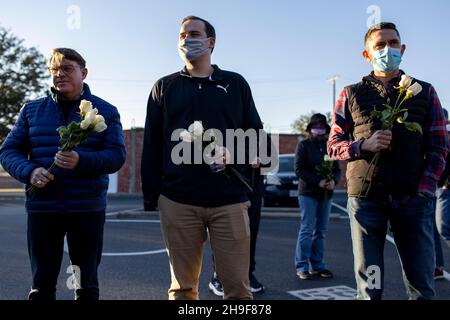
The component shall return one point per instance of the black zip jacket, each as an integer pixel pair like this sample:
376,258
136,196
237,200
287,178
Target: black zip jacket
222,101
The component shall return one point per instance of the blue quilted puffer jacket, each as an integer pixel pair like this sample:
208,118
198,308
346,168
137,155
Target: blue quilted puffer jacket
34,141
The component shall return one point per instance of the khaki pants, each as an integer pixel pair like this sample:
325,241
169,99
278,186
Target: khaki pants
185,229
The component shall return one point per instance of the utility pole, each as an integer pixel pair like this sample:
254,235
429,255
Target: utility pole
333,81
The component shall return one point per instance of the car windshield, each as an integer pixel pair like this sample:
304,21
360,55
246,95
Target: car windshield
286,164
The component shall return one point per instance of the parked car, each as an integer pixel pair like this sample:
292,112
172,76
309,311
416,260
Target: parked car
281,186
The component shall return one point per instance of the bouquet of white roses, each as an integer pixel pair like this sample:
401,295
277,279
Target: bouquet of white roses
216,162
75,133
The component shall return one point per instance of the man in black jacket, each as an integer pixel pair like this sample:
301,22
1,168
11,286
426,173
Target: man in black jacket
194,200
315,193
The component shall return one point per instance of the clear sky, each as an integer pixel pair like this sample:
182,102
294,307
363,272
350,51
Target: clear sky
286,49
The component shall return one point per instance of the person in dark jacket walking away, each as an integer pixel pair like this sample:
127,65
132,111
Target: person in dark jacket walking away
315,197
399,189
70,201
194,200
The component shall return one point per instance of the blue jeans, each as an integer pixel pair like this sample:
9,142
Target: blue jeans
413,228
443,213
311,237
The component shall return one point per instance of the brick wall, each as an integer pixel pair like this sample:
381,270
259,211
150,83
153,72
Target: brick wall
288,142
124,177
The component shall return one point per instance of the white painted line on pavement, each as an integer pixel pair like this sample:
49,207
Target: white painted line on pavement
127,254
390,239
341,208
114,213
124,254
446,275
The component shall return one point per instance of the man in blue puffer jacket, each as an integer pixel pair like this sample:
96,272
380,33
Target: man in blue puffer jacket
71,200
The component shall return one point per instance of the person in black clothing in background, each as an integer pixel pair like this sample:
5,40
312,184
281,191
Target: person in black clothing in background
254,214
315,193
192,199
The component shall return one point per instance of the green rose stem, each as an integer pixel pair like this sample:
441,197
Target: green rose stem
32,190
241,178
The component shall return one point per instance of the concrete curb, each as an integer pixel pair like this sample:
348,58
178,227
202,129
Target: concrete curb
21,194
271,213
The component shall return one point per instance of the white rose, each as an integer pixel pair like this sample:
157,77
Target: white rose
85,107
100,126
84,124
326,158
88,119
413,90
196,129
223,156
186,136
98,119
406,81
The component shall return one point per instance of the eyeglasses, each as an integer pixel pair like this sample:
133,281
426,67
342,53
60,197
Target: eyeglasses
66,69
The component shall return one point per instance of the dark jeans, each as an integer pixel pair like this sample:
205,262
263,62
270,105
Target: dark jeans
46,233
413,229
254,213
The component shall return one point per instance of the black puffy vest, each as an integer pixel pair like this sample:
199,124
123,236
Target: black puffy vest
399,170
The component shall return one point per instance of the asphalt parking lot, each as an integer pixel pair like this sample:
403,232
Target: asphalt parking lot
135,264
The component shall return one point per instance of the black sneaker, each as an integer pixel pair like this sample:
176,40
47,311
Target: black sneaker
255,285
216,287
304,275
325,273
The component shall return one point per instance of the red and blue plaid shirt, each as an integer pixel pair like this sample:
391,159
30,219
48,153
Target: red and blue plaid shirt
342,147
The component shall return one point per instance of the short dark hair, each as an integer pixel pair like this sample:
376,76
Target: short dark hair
380,26
69,54
209,29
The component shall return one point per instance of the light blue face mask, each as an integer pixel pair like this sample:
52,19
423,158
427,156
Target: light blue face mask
387,59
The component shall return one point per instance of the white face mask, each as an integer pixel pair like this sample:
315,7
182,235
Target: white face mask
192,49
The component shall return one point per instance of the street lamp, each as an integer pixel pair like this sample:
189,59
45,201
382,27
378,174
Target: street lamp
333,81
